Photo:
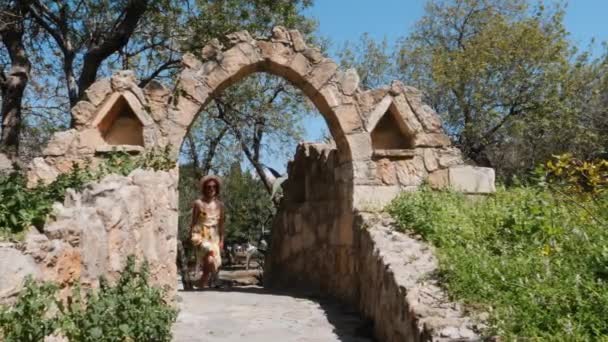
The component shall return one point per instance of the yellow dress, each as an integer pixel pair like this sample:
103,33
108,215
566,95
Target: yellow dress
206,237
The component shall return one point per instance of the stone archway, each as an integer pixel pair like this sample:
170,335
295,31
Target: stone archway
387,141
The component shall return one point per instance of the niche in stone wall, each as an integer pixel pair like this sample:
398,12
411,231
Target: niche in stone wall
390,135
120,121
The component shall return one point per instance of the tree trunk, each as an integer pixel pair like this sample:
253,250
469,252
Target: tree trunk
13,84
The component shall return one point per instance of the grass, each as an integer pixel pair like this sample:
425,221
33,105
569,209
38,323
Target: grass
535,260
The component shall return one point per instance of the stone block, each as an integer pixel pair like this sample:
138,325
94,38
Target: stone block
439,179
60,143
300,64
123,80
373,198
88,140
348,118
83,113
192,86
190,61
15,267
404,110
298,41
360,146
385,172
349,81
431,140
449,157
472,179
233,60
98,91
411,172
322,73
40,170
430,159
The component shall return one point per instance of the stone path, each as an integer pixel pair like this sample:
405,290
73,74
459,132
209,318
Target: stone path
252,314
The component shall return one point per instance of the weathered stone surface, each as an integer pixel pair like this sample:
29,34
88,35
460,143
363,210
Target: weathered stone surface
322,73
360,143
349,119
240,36
83,113
349,81
92,233
374,197
212,49
300,64
123,80
313,54
40,170
430,159
386,172
449,157
431,140
88,140
15,266
98,91
298,41
399,288
60,143
6,165
472,179
281,35
409,118
190,61
411,172
439,179
158,97
427,116
193,86
233,60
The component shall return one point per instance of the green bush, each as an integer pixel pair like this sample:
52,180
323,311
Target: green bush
21,207
537,261
28,320
130,310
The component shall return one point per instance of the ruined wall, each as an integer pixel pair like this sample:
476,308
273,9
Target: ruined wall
92,233
312,240
320,243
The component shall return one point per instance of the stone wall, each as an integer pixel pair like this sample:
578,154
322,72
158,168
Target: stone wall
321,244
92,233
312,240
398,288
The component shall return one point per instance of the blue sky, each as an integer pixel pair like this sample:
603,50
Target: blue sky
347,20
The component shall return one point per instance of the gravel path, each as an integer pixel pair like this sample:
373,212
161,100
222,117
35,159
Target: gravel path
250,313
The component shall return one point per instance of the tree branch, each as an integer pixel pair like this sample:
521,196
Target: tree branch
121,34
170,64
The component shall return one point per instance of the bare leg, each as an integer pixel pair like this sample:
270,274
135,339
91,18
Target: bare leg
208,269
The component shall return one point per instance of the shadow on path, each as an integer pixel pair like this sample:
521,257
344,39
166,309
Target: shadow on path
253,313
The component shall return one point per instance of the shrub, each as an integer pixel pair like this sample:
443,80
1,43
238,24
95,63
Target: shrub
130,310
536,262
28,320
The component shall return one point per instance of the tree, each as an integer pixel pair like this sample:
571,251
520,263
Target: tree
485,63
75,42
12,83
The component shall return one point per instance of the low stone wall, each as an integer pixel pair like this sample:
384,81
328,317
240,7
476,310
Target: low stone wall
398,288
92,233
